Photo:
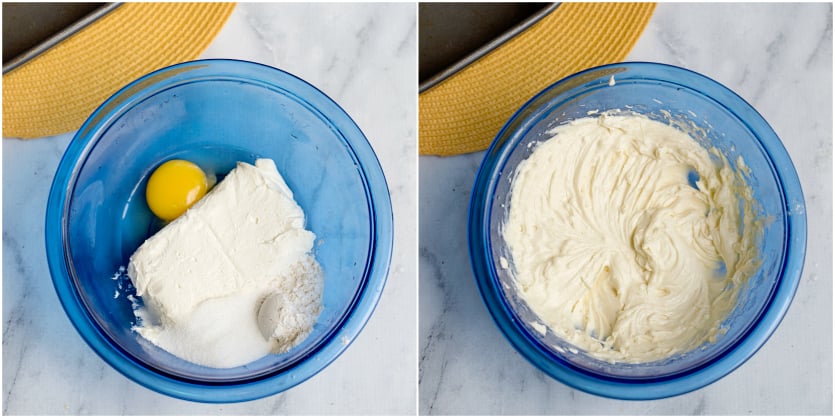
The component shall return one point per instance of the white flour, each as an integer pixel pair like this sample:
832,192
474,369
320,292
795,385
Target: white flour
230,331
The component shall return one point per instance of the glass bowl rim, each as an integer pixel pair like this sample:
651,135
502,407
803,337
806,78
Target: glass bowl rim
366,298
638,389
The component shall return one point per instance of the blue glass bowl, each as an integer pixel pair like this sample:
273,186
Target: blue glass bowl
732,126
216,113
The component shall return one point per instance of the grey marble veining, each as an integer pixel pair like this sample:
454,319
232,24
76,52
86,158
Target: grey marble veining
364,57
776,56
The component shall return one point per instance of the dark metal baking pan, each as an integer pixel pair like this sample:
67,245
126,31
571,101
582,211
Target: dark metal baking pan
454,35
29,29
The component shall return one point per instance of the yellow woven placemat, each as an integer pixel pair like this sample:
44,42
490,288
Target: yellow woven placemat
55,92
466,111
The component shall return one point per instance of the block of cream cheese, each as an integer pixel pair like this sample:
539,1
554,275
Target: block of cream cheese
242,235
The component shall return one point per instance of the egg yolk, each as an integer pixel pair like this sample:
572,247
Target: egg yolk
173,187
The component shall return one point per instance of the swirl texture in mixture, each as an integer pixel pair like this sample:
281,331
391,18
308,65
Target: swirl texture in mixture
627,237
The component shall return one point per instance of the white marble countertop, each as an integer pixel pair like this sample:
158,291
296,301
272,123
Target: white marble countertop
776,56
364,57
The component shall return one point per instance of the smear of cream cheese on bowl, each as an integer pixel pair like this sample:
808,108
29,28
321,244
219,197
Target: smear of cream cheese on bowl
626,237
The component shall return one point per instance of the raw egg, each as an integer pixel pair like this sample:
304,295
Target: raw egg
173,187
